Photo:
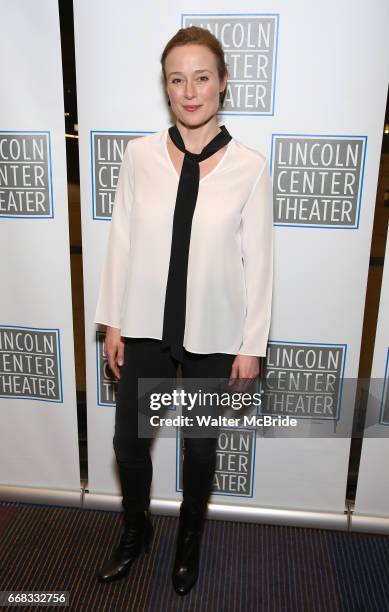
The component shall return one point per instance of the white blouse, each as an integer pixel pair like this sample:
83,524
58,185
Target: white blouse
230,268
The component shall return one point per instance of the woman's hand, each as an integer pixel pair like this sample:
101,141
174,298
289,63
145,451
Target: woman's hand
244,369
114,349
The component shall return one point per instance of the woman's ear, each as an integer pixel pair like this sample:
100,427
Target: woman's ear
223,83
167,97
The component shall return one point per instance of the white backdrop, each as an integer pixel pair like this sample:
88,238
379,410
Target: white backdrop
38,436
298,94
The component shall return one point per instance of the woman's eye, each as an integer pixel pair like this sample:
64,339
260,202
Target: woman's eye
204,78
176,80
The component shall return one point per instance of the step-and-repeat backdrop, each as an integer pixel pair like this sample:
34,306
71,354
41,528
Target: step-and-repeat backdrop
38,433
308,89
372,499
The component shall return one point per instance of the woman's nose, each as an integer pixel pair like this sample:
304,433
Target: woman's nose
189,89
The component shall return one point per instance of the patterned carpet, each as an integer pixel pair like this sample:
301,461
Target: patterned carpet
245,567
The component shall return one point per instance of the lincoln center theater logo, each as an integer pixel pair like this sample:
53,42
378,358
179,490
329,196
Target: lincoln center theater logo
384,412
30,363
106,384
249,42
303,380
234,474
107,150
317,180
25,175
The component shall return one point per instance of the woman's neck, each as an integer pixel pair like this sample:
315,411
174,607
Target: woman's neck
196,138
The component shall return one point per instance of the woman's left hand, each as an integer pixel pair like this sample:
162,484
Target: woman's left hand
244,370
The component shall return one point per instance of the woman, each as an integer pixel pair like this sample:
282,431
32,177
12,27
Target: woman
187,279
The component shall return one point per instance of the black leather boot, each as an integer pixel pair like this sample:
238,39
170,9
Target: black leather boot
186,564
137,536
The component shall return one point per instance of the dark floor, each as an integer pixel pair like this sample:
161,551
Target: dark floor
244,567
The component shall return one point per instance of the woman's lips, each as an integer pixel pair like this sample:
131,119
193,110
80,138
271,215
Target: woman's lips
191,109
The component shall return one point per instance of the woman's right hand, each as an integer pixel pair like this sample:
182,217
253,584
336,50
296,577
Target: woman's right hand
114,349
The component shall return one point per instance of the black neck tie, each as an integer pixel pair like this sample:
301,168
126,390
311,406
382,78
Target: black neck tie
188,187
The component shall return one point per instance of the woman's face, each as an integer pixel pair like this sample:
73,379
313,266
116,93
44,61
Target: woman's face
193,84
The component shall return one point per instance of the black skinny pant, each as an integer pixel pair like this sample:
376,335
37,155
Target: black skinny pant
144,358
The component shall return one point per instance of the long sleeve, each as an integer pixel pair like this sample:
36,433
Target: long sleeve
257,251
116,261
